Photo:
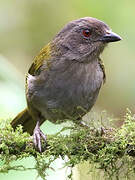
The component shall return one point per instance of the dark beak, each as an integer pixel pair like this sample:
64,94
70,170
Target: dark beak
110,37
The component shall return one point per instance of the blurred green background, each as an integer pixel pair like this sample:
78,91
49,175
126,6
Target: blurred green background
26,26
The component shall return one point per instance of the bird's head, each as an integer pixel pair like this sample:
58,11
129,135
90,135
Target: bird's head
84,39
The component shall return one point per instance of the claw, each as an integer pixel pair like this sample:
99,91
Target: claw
102,131
37,135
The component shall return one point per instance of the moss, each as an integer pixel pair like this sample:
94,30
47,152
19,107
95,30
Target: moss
111,149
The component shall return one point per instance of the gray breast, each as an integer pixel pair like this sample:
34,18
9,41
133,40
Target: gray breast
67,91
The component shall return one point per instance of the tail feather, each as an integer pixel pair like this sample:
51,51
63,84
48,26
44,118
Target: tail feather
25,119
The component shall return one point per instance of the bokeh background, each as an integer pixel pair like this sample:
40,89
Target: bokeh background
26,26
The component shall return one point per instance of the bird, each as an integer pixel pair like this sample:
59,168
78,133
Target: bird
65,78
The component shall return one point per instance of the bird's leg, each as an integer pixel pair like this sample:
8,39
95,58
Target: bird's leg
37,135
84,125
81,123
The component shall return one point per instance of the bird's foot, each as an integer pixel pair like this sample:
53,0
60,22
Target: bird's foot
37,136
83,125
100,131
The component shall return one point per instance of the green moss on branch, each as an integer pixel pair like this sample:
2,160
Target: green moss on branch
112,150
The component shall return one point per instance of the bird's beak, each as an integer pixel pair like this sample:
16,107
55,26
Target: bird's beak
110,37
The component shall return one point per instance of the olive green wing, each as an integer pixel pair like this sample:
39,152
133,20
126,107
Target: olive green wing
43,56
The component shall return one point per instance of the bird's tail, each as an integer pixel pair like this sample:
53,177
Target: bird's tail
25,119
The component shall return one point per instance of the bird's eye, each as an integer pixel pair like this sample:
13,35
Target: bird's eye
86,33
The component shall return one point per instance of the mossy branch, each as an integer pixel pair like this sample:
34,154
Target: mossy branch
111,149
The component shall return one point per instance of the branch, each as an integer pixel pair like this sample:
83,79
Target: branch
111,149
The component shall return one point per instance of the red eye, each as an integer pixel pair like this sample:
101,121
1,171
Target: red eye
86,32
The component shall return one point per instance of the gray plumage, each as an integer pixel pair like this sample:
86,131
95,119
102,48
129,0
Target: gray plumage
65,78
69,87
